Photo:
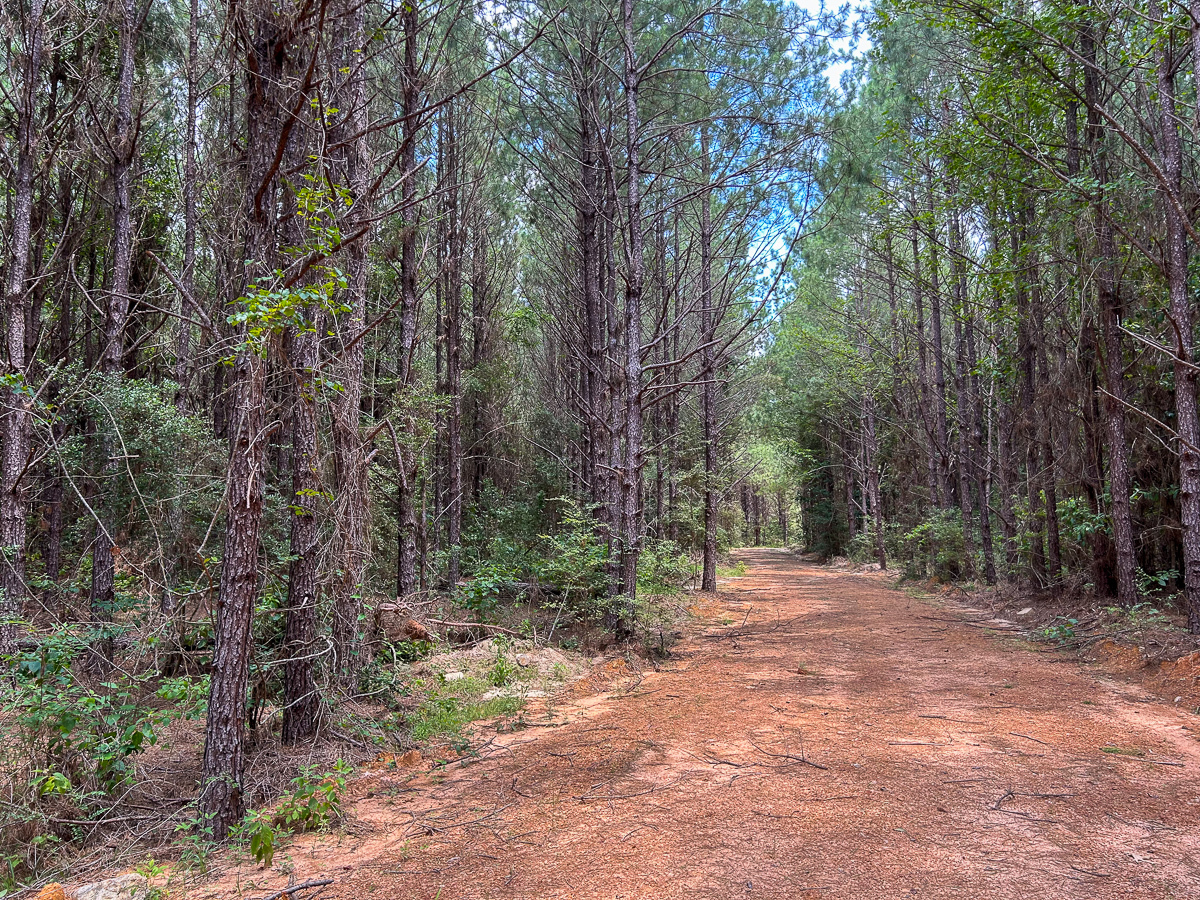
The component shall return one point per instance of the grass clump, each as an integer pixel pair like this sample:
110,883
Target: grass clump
446,716
736,570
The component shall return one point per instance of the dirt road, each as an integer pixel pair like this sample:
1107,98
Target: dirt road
846,741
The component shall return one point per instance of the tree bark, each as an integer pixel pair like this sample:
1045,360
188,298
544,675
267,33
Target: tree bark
980,469
183,334
1022,254
116,316
406,512
14,397
1120,478
301,702
937,344
220,801
931,459
1048,480
870,442
453,333
1187,415
962,389
261,38
631,538
352,510
708,377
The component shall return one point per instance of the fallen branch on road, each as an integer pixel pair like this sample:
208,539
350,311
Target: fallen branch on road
288,891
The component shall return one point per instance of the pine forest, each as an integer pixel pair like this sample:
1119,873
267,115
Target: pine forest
378,372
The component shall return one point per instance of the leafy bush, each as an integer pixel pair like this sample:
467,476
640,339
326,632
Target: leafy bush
861,548
1140,615
482,593
1151,585
502,671
663,568
575,560
1061,630
314,801
935,547
84,738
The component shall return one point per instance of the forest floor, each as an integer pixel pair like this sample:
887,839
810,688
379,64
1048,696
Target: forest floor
820,735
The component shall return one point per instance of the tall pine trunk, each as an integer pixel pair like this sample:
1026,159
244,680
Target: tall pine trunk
631,482
962,390
1120,477
708,378
1187,415
116,315
409,457
15,424
300,700
352,509
262,43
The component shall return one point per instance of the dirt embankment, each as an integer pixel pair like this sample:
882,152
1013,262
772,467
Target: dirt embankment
826,736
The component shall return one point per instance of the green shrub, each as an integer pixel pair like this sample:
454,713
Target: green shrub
575,561
482,594
935,547
314,801
83,738
1061,630
502,671
663,568
861,548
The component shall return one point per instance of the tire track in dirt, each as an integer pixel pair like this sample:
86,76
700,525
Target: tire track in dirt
846,741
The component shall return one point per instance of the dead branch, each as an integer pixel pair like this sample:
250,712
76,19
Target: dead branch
286,893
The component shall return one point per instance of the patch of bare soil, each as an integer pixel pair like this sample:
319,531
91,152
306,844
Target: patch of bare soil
840,739
1145,647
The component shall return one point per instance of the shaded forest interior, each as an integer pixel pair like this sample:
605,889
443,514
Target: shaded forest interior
337,331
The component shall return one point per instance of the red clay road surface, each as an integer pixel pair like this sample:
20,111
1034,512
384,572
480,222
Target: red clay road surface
847,741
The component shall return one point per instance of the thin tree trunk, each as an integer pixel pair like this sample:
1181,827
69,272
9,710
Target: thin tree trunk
942,435
406,512
116,315
931,460
1006,476
183,335
1120,478
962,391
352,515
593,298
1187,415
755,516
673,401
224,738
1045,437
1025,274
848,479
301,702
870,447
300,628
978,451
453,331
479,440
631,538
16,404
262,40
708,378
